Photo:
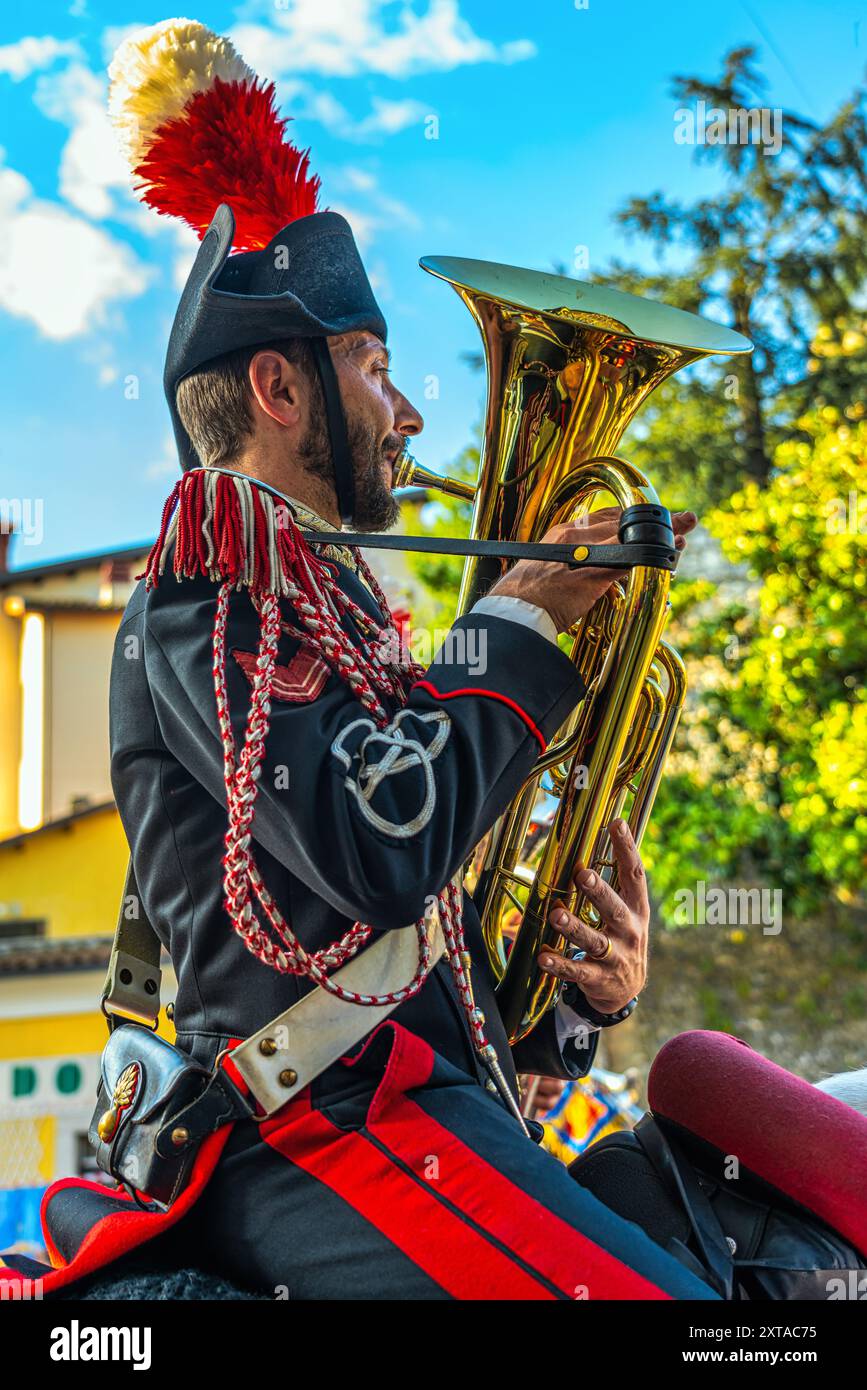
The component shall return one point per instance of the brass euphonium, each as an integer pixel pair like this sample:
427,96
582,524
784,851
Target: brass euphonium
568,366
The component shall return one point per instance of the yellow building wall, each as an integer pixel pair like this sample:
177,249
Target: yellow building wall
72,876
81,609
58,1036
78,660
10,722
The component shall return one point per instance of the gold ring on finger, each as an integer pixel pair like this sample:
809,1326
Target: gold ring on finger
607,952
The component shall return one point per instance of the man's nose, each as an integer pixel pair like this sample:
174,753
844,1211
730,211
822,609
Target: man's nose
406,418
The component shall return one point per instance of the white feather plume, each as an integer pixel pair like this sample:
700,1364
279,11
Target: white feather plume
156,71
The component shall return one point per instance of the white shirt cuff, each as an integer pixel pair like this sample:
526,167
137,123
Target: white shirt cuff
517,610
569,1024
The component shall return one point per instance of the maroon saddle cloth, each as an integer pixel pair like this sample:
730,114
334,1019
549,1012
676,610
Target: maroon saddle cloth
744,1170
804,1143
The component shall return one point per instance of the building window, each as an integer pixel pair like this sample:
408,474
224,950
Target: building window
13,928
86,1165
31,769
68,1078
23,1081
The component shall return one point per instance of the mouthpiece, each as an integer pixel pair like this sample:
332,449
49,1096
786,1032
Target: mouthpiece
408,473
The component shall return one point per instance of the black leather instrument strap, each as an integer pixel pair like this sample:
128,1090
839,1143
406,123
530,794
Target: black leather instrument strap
619,557
132,985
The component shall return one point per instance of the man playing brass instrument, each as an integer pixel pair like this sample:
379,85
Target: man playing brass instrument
298,796
370,825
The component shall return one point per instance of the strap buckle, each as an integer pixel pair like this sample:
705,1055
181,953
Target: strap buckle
132,990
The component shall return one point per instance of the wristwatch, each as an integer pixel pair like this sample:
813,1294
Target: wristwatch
574,998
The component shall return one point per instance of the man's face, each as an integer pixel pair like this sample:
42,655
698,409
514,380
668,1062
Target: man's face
378,417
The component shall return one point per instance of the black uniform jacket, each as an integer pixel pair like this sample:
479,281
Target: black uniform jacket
344,830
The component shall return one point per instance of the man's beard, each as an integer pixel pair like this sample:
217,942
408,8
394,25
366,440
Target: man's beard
376,507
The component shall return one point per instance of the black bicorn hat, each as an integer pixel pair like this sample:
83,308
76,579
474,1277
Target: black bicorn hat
309,282
201,131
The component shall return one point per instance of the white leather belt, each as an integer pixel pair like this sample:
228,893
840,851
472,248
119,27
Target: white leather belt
293,1049
296,1047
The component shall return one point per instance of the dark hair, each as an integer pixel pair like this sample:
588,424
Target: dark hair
214,401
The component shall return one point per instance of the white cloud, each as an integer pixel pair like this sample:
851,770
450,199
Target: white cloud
142,219
386,208
168,464
91,164
390,117
57,271
92,167
19,60
14,188
188,244
359,179
303,101
364,224
385,117
380,281
99,352
342,38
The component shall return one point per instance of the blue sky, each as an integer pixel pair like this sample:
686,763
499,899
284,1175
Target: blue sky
550,116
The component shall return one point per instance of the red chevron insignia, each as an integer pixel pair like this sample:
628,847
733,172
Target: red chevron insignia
301,681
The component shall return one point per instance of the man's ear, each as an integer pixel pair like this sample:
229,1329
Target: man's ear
277,386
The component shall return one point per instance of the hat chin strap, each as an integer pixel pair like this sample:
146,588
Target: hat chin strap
344,474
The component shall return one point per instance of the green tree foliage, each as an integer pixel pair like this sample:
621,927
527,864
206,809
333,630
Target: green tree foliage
440,575
770,775
768,778
778,251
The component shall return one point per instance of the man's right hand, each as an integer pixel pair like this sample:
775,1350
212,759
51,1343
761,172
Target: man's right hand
568,594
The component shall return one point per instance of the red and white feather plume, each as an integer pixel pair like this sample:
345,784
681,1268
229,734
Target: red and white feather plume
199,128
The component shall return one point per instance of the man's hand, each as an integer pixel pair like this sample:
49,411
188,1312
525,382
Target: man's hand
568,594
546,1091
608,977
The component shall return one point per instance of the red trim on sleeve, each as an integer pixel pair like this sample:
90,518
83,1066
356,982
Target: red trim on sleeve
490,695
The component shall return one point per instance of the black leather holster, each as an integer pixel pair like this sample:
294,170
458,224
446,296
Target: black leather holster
154,1108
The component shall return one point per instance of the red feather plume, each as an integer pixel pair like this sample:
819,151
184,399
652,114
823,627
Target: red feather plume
229,146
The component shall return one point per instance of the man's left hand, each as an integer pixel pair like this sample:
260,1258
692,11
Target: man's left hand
614,969
547,1092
